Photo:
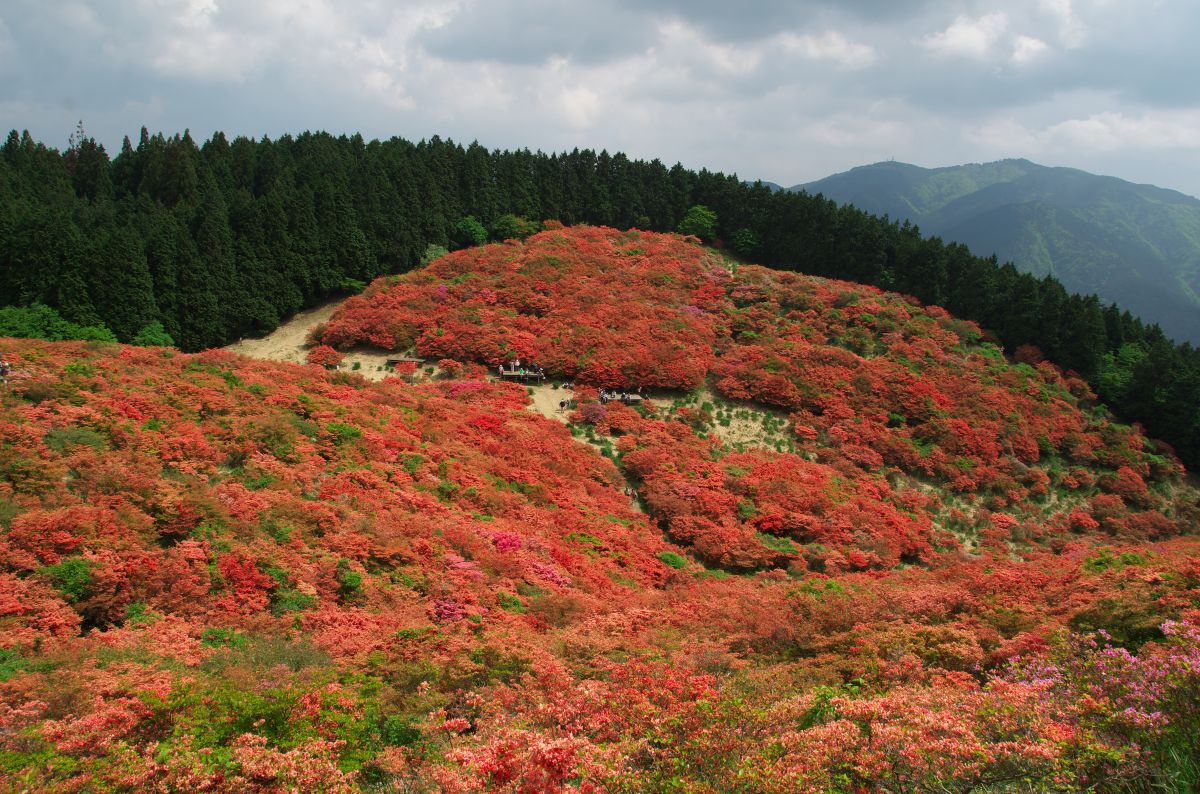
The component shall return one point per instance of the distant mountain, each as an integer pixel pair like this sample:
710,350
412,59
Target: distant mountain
774,186
1135,245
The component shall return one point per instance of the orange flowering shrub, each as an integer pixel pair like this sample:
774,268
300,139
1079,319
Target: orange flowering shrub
949,571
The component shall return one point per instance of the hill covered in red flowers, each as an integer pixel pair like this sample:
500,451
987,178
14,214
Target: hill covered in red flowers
951,571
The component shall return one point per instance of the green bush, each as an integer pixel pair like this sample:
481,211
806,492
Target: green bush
72,577
343,433
469,231
672,559
513,227
42,322
349,582
60,439
154,335
699,221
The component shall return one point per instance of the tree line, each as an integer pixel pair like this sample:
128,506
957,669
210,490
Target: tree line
205,243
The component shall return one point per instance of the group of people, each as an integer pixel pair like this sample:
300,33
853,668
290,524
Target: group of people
627,398
528,371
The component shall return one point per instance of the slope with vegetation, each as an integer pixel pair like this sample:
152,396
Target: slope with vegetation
224,239
959,573
1136,245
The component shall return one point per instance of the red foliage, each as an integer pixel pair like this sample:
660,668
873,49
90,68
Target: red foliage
324,356
218,574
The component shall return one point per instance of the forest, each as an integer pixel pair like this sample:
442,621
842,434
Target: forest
204,244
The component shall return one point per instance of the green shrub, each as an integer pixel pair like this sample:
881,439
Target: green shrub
672,559
287,599
511,603
42,322
72,577
60,439
153,335
349,582
469,231
343,433
219,638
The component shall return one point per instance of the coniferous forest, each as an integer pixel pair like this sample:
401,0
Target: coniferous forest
203,244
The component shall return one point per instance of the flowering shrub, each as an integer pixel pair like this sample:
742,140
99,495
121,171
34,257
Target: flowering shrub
324,356
950,572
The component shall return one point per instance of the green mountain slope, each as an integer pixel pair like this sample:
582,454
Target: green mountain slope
1136,245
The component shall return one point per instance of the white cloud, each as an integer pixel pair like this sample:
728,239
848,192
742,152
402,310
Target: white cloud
580,106
1116,130
830,46
967,37
1070,28
1095,133
684,43
1027,48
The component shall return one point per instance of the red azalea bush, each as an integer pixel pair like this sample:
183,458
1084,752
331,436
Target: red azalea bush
222,574
324,356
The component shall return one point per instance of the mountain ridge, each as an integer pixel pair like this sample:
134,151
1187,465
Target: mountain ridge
1135,244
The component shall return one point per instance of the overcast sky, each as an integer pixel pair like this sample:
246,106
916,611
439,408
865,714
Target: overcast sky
783,90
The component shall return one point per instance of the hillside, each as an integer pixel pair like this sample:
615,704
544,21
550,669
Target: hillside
933,567
1135,245
200,245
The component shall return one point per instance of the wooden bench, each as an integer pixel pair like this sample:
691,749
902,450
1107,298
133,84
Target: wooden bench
392,362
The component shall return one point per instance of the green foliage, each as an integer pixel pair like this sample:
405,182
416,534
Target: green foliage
72,577
138,614
672,559
153,334
288,599
699,221
399,731
468,231
781,545
511,603
62,439
1129,624
11,663
42,322
433,251
744,242
1105,560
513,227
349,581
220,638
343,433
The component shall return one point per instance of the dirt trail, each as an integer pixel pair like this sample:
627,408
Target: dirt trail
287,343
743,423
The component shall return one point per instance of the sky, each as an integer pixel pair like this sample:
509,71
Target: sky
782,90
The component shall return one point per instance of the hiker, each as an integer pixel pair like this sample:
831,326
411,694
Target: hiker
5,370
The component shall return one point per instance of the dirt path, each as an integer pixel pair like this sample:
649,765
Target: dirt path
287,343
742,423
